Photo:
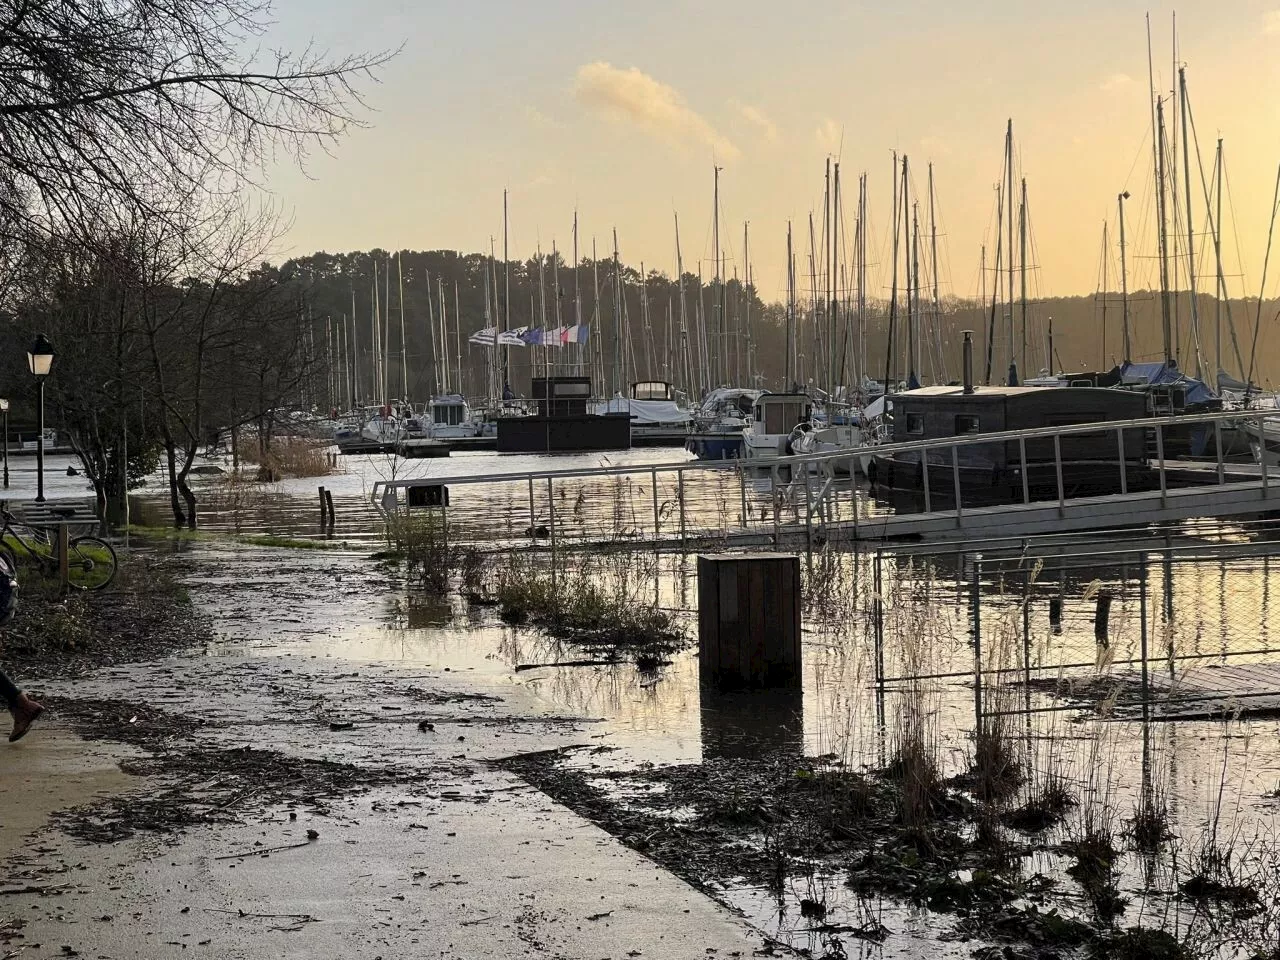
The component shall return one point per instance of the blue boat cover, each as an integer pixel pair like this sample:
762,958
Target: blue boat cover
1161,372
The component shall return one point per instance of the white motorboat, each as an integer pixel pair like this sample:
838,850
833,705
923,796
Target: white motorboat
774,419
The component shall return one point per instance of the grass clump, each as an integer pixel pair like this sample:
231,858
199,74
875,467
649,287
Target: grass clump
597,603
1139,943
290,457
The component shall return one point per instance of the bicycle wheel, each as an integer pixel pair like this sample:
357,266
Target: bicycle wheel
91,563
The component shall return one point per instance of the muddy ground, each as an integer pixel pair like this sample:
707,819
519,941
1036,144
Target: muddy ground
240,775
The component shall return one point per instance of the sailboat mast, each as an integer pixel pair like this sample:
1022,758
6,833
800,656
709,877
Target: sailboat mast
457,343
1124,282
1163,237
718,304
376,343
386,333
505,325
444,337
860,357
746,260
617,318
436,383
893,294
648,325
355,351
933,269
915,283
787,368
404,355
1219,289
687,375
813,299
1008,194
912,378
1191,250
834,375
555,286
1106,255
1022,270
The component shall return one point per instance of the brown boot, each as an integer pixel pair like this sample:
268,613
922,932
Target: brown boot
25,712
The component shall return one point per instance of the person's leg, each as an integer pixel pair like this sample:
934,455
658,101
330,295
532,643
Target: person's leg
24,709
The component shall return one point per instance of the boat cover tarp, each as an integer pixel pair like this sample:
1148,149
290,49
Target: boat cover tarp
1161,372
874,409
647,411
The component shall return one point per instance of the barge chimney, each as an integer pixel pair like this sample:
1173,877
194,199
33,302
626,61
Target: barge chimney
968,361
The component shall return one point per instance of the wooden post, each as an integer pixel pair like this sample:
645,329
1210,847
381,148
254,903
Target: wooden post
333,517
749,620
324,510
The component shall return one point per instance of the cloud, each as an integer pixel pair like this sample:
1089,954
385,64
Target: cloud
1271,23
1116,82
539,119
632,96
830,135
757,118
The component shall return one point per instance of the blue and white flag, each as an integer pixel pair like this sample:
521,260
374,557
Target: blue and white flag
512,338
485,337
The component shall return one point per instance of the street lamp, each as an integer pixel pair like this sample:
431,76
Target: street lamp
40,362
4,408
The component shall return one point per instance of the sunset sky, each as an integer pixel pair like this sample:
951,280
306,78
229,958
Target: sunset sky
620,110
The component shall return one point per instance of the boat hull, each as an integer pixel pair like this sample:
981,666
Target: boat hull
715,446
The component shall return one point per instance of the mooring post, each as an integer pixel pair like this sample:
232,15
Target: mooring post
749,620
742,495
333,516
976,590
323,509
877,607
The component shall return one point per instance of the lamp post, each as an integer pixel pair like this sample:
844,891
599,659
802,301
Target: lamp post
4,408
40,362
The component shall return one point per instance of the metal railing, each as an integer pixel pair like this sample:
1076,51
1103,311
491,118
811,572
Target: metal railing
803,495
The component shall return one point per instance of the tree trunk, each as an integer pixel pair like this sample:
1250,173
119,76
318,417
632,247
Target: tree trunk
188,495
171,456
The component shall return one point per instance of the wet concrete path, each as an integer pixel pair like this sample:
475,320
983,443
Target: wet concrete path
280,792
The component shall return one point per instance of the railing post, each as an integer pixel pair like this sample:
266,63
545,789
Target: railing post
1262,446
773,499
924,478
533,522
657,523
808,512
1057,465
1026,481
1217,445
742,495
551,525
680,501
955,479
853,496
1164,490
1124,465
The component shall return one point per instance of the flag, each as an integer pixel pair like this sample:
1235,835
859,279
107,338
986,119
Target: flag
532,336
565,333
553,337
485,337
578,333
512,338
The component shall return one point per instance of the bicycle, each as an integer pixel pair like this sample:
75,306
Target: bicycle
91,561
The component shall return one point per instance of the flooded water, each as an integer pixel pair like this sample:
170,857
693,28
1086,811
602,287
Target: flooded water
1176,626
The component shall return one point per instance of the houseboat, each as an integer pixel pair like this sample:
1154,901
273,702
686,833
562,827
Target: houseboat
1090,461
562,421
657,417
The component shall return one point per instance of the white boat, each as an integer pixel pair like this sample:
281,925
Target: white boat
657,418
372,430
449,418
774,419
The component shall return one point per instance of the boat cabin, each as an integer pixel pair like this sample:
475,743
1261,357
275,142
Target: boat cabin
449,411
652,390
779,413
937,413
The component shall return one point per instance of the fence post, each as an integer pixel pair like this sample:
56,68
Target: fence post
878,637
853,496
1262,446
1142,616
924,479
773,498
64,556
551,525
1124,465
742,495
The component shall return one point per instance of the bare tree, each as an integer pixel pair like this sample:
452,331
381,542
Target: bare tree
143,103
